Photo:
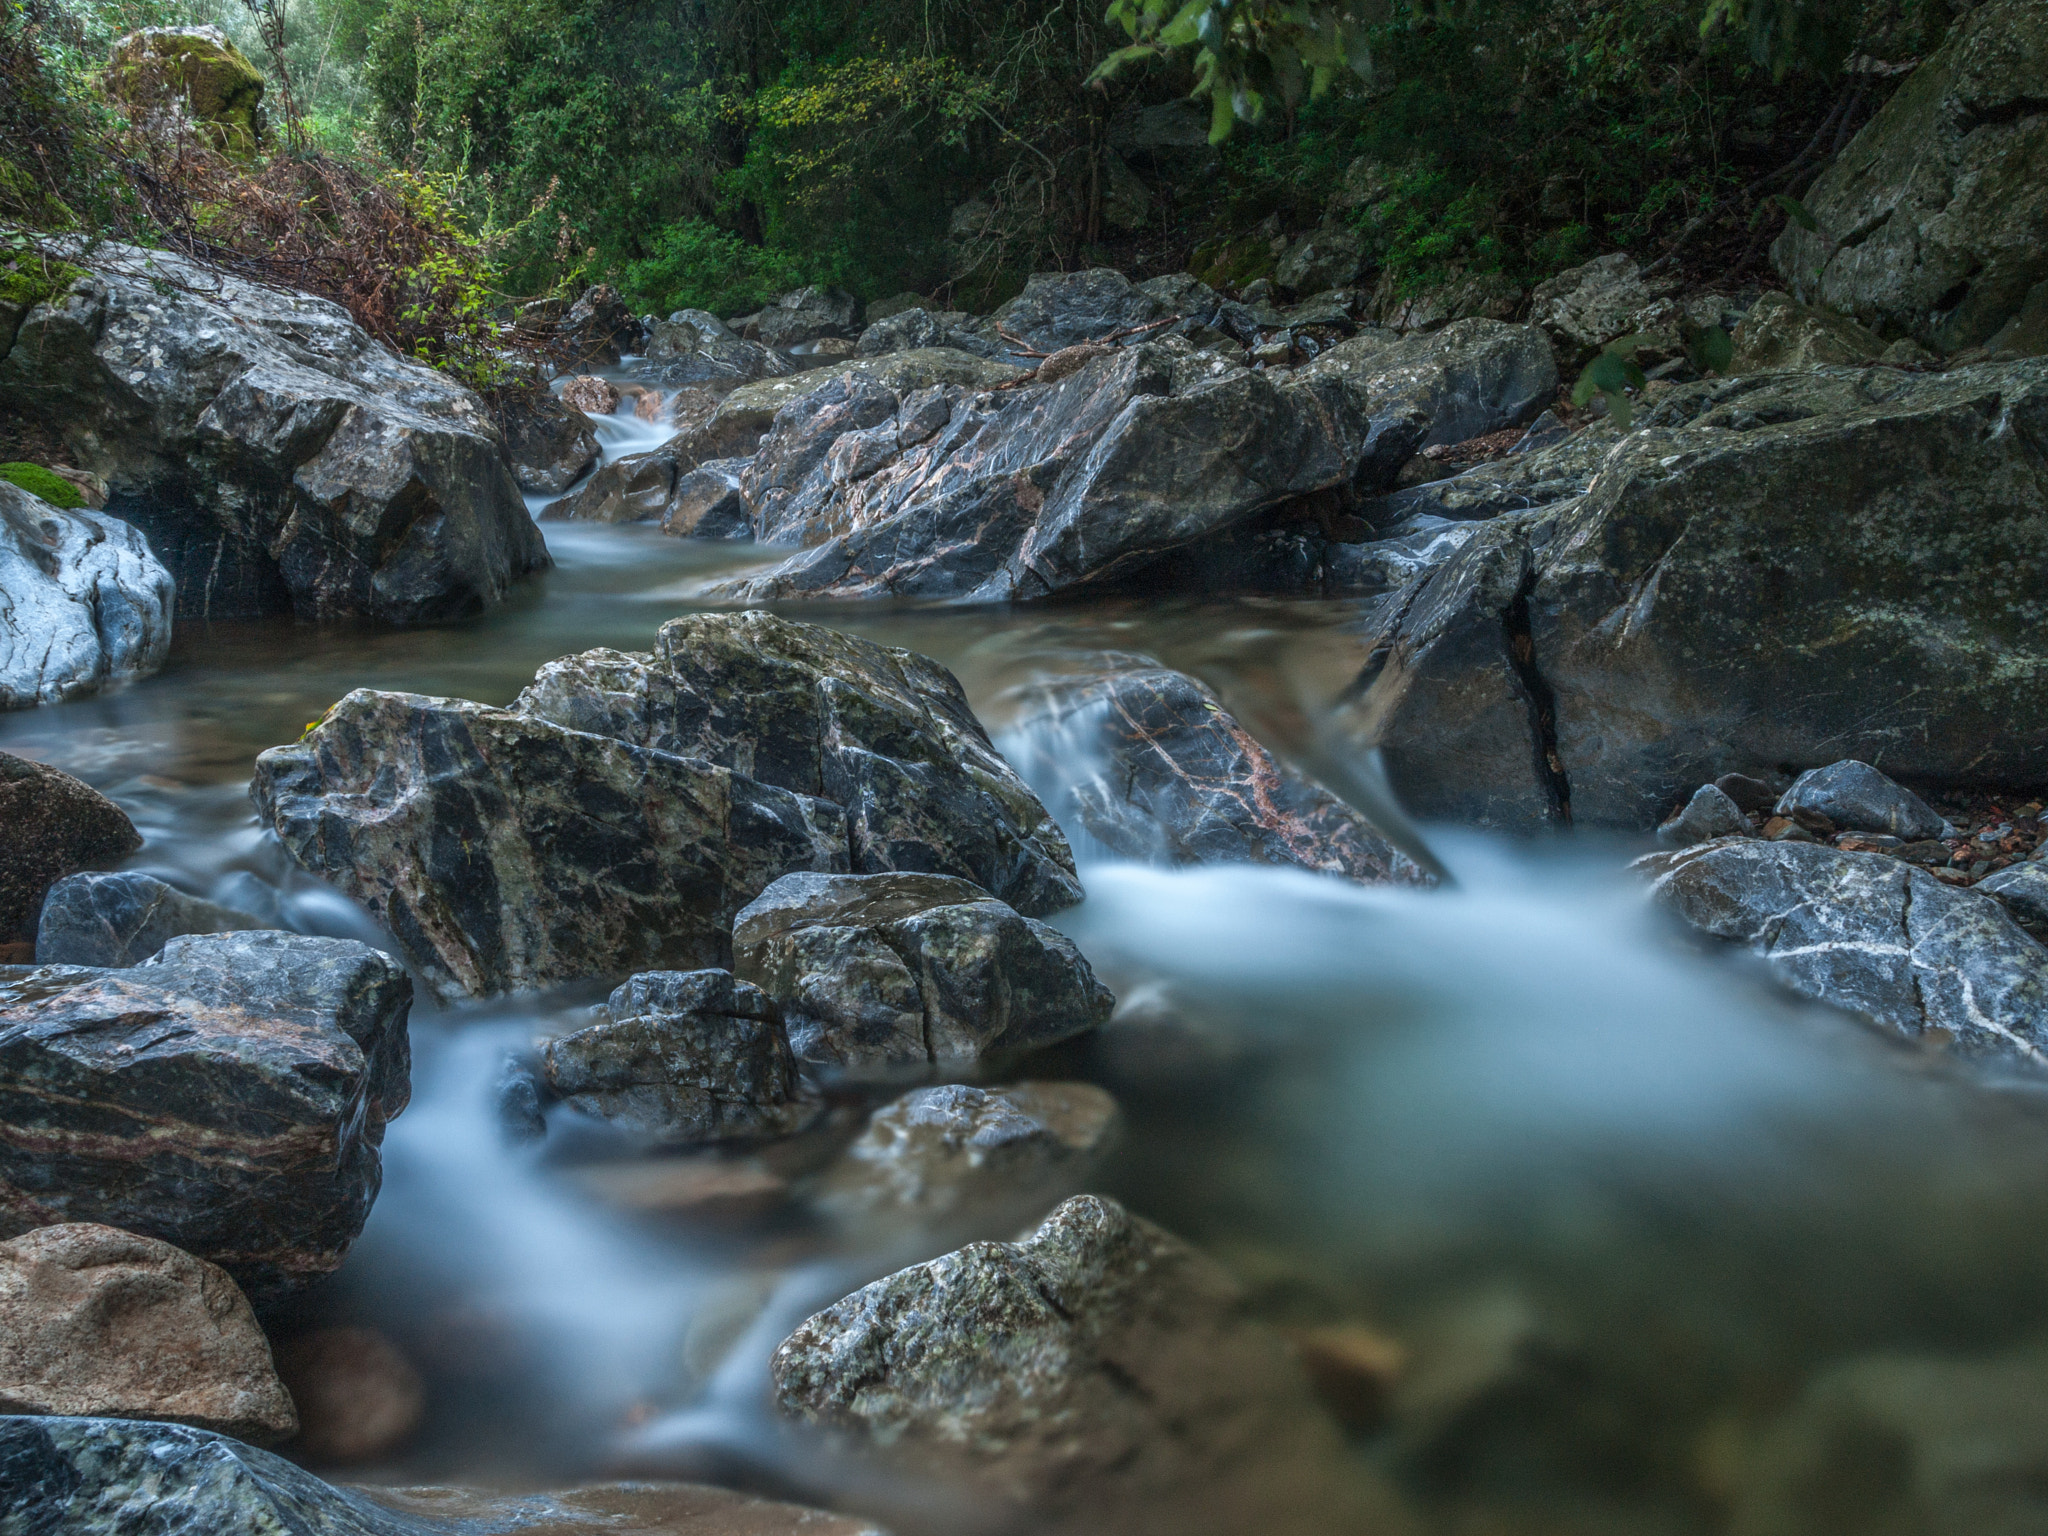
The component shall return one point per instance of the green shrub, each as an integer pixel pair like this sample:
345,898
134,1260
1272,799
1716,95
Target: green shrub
38,481
697,265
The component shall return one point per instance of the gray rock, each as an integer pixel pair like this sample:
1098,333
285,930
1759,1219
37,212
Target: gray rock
277,458
635,488
1779,332
123,919
1097,1375
706,502
1322,259
880,973
1061,309
911,330
1857,798
939,1155
550,443
1934,220
1153,767
736,428
505,852
84,605
110,1477
1413,548
682,1058
695,347
50,825
1547,474
1479,296
1873,935
598,329
227,1097
1707,815
2023,888
808,314
1588,306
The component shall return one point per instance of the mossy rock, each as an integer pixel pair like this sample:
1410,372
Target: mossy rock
27,281
38,481
163,75
1230,264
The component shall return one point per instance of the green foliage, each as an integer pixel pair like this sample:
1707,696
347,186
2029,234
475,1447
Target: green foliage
1611,374
697,265
38,481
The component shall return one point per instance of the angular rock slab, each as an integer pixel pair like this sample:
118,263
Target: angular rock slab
107,1477
278,458
50,825
122,919
685,1057
227,1097
549,443
1097,1375
1156,768
101,1323
885,734
879,973
84,604
1872,935
1856,797
505,852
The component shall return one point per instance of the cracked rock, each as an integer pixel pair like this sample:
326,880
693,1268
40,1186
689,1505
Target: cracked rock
1855,797
876,973
1097,1375
2023,889
122,919
1872,935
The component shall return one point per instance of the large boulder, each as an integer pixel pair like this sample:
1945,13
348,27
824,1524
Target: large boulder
634,488
84,604
743,416
806,315
115,920
1776,571
1061,309
50,825
1585,307
908,330
178,81
550,443
1872,935
107,1477
228,1097
981,497
1154,767
1099,1375
505,852
105,1324
1933,222
278,458
684,1057
693,346
887,972
1779,332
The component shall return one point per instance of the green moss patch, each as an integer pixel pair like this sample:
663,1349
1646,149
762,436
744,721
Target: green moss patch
31,280
38,481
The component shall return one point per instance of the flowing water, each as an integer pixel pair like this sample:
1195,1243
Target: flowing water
1619,1200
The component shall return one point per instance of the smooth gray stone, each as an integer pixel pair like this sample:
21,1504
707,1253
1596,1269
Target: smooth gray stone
123,919
2023,888
1708,814
1857,798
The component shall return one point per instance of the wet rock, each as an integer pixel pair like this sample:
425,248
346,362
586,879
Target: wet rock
632,489
521,1111
1748,794
938,1154
50,825
598,330
1707,815
1058,309
877,973
706,502
550,442
1097,1375
2023,889
277,458
504,851
684,1057
1321,259
745,415
1858,543
1856,797
86,604
358,1398
593,396
1873,935
1156,768
123,919
1934,220
1780,332
1089,479
1588,306
1412,550
89,1477
807,315
912,329
174,81
227,1097
693,346
105,1324
885,734
1546,474
1904,1442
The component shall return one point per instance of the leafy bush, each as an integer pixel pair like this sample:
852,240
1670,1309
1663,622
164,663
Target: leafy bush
697,265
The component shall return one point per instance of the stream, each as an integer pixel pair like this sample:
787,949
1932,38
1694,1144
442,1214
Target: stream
1619,1199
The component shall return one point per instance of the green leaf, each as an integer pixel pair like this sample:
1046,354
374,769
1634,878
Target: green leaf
1117,60
1710,349
1221,118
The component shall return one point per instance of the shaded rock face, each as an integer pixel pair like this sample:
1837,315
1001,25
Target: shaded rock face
1588,306
1098,1375
1777,570
504,851
598,329
635,488
693,346
707,504
879,973
227,1097
1872,935
2023,889
550,443
1855,797
737,426
1779,332
1709,814
123,919
189,80
358,1398
84,604
951,1151
985,497
1933,222
1155,768
105,1324
276,456
807,315
96,1477
885,734
684,1057
50,825
907,330
1059,309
